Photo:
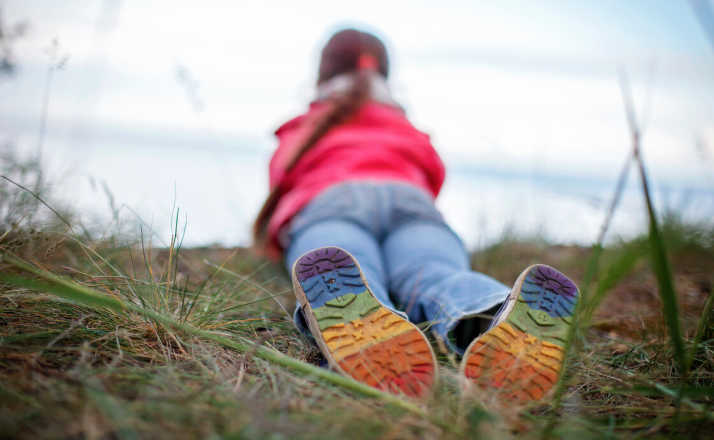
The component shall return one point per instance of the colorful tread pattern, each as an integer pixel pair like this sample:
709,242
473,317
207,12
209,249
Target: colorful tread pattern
521,357
356,333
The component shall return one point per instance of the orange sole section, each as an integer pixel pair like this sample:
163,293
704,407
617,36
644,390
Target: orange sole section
519,366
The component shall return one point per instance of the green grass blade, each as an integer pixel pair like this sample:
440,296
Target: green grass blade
77,294
663,272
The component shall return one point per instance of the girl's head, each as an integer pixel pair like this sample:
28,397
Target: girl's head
348,50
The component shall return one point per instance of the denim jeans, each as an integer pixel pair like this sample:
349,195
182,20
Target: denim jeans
413,262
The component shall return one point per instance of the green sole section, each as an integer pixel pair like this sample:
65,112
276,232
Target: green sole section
344,309
539,323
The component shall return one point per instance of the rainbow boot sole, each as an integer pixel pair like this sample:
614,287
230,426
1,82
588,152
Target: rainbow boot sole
357,334
521,356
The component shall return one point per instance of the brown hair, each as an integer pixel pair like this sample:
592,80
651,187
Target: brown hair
344,52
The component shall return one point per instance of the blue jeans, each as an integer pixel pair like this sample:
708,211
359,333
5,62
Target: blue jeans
413,262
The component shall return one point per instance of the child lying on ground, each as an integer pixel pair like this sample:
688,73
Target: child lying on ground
351,211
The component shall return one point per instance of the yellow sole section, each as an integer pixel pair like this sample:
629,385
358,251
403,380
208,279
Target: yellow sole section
345,339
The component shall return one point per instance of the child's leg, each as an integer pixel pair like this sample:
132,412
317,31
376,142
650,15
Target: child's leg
429,275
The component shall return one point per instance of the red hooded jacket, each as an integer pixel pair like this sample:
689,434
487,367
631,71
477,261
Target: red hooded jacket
378,143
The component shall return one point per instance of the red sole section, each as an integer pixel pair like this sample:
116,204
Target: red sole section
402,364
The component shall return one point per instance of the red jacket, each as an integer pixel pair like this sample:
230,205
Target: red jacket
377,143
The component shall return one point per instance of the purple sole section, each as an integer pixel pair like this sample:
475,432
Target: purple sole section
551,279
548,290
320,261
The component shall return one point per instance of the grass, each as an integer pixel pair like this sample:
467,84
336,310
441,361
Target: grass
170,343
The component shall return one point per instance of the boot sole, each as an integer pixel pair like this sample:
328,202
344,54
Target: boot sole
358,335
522,356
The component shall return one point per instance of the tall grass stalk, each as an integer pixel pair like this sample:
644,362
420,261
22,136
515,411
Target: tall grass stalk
658,253
586,305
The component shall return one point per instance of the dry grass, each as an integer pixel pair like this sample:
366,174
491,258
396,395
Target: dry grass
75,372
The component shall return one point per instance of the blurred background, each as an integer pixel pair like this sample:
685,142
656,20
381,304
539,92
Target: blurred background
136,107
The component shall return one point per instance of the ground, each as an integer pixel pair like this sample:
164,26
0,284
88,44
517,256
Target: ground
74,370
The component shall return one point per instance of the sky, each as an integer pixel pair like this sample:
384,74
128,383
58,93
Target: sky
174,103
